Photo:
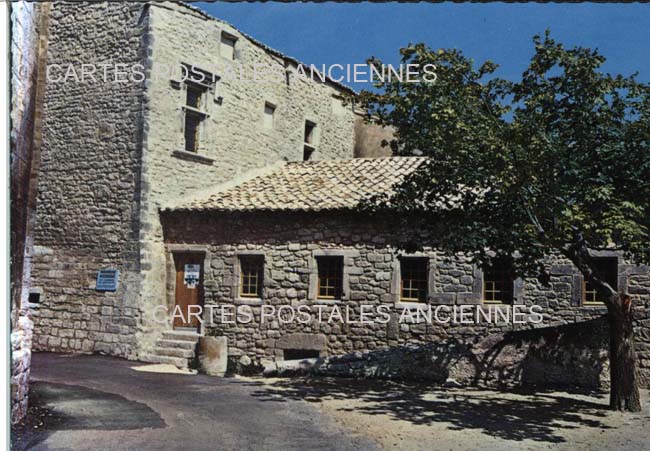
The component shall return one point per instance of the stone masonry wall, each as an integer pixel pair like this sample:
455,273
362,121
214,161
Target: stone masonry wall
26,54
88,191
233,139
113,154
289,243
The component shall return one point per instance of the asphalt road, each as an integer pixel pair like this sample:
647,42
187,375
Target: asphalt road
98,402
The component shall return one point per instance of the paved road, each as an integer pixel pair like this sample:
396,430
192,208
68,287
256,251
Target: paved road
100,402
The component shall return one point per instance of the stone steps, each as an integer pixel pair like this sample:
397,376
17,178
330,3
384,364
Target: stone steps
176,347
175,352
178,362
182,344
180,335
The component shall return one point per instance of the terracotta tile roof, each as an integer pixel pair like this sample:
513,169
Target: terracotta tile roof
309,186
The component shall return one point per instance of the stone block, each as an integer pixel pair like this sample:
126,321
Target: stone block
213,355
302,341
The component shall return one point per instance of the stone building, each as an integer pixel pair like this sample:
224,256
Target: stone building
122,139
293,237
162,191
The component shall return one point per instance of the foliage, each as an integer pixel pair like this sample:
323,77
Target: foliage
556,162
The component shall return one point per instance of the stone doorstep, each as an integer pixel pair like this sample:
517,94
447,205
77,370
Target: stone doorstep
181,335
183,344
174,352
178,362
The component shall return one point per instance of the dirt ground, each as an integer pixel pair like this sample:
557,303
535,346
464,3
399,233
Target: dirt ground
417,417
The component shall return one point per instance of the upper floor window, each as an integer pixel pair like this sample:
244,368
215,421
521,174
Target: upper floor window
414,279
309,141
194,96
607,269
195,103
498,282
228,43
192,127
251,276
330,277
269,115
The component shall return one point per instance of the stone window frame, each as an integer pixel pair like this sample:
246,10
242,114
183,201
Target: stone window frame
349,268
577,296
226,36
41,295
396,279
476,296
597,303
274,105
313,143
181,83
517,291
427,277
236,271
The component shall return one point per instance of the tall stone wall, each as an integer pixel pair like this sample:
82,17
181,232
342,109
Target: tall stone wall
289,243
26,53
233,139
89,186
113,154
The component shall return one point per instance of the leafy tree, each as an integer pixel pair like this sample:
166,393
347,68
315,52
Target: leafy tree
556,163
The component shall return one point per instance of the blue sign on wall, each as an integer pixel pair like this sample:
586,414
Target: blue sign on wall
107,280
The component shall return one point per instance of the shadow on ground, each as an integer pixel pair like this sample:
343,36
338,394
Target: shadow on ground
511,416
60,407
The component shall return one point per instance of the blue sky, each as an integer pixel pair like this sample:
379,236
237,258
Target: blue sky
329,33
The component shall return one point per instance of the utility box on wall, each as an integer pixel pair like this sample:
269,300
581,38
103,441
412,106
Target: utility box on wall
107,280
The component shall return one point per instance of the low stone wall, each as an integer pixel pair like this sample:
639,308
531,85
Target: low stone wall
565,356
570,356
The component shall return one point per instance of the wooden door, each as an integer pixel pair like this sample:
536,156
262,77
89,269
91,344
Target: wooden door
189,287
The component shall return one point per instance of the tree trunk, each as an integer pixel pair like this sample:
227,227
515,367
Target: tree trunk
624,394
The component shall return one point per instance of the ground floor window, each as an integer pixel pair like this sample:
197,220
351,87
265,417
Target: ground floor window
330,277
607,269
251,275
498,282
414,279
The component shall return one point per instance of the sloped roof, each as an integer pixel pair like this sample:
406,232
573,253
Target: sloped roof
309,186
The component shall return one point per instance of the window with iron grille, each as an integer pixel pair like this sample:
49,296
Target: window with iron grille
414,279
251,275
498,283
330,277
606,269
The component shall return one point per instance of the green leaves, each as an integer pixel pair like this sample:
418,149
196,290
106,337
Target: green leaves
523,166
